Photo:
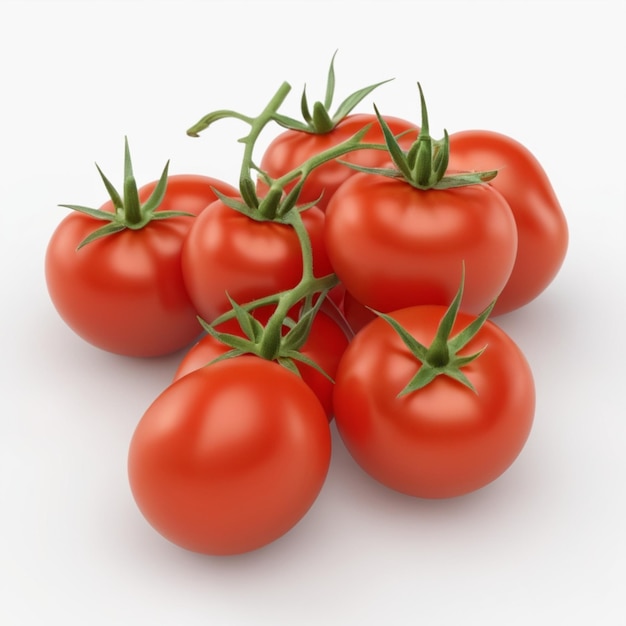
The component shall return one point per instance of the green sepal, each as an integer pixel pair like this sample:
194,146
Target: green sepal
388,172
116,199
104,231
225,356
283,349
128,211
236,205
166,215
240,344
158,193
252,328
98,214
441,358
288,364
270,204
425,163
298,356
321,121
299,332
416,348
248,192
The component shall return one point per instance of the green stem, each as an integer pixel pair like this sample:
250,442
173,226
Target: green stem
301,172
257,125
270,344
207,120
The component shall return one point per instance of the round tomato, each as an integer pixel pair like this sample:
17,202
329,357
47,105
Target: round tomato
443,439
541,225
327,340
124,292
393,245
230,457
228,253
292,148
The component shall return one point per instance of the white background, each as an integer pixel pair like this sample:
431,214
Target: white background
544,544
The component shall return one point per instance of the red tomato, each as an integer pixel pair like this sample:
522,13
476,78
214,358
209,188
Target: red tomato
230,457
327,340
444,439
228,253
124,292
394,246
541,225
293,147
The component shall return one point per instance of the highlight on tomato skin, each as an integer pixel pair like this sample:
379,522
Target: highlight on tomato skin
443,440
230,457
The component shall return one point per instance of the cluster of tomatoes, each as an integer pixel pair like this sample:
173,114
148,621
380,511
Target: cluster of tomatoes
349,276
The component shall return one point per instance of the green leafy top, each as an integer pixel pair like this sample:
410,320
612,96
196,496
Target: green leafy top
276,204
425,163
320,121
441,357
268,341
128,210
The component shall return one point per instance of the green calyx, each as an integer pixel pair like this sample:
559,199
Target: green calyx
270,342
441,358
319,120
128,210
276,204
425,163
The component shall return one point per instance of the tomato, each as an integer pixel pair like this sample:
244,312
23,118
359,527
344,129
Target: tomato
393,245
292,147
541,225
228,253
124,292
443,439
326,342
230,457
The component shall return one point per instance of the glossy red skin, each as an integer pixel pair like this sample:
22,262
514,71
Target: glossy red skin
230,457
327,341
227,252
125,293
394,246
355,313
443,440
292,148
541,224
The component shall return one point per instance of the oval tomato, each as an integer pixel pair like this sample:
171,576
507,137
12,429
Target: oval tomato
230,457
444,439
394,246
327,340
541,225
292,148
230,254
124,292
